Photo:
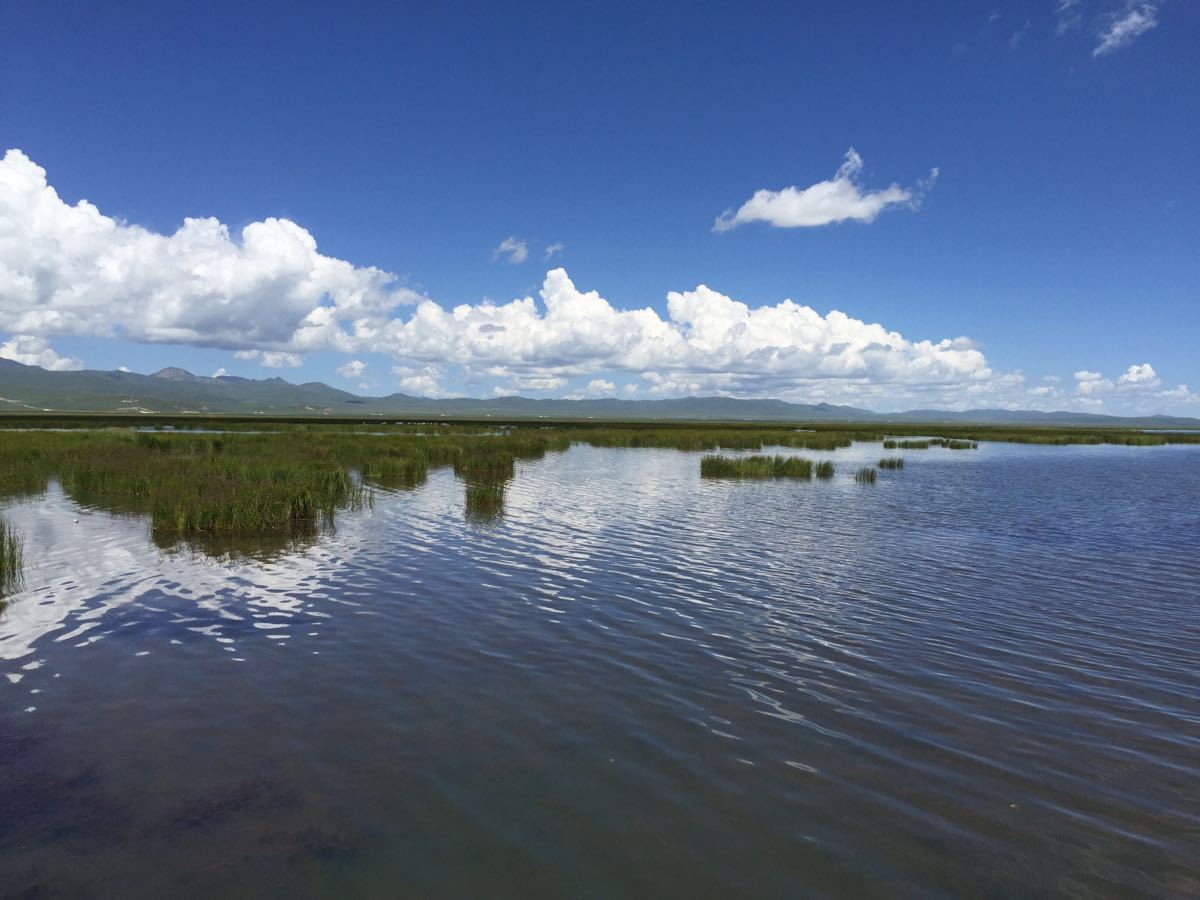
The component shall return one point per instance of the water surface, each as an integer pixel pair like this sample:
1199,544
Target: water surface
978,675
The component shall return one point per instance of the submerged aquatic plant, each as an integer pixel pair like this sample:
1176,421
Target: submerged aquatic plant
865,475
892,462
756,467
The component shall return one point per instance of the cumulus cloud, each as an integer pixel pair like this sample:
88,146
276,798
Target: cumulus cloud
271,359
424,380
353,369
1141,375
1139,386
69,269
599,387
514,248
35,351
837,200
220,373
1125,26
1088,383
707,340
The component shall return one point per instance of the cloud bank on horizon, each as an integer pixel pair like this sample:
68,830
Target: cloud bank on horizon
272,297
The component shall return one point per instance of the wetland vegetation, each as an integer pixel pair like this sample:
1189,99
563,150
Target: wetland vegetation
11,552
220,479
756,467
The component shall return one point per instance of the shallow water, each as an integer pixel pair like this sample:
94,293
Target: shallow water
978,675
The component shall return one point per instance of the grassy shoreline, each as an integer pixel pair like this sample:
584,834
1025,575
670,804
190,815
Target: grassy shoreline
1032,434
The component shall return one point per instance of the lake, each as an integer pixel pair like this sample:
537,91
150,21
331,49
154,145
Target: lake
977,676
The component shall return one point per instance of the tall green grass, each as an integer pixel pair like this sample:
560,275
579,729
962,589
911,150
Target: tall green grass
824,469
865,475
892,462
11,556
289,484
756,467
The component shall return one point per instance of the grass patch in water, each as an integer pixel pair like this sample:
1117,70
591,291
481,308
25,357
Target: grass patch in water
892,462
865,475
823,469
284,484
756,467
485,500
11,556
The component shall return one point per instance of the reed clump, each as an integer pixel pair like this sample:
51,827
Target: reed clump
485,500
756,467
286,484
718,438
892,462
11,556
823,469
865,475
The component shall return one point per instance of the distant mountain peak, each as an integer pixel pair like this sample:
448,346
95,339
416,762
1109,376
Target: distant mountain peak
173,373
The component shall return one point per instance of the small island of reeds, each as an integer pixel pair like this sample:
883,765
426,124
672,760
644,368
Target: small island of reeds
756,467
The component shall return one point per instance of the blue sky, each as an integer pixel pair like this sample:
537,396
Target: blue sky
1058,237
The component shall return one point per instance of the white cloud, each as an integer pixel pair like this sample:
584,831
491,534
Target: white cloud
707,339
1087,383
1138,388
35,351
1019,35
1068,15
536,381
514,248
220,373
1143,374
599,387
424,381
353,369
838,200
1125,26
554,250
271,359
72,270
1180,393
123,368
277,359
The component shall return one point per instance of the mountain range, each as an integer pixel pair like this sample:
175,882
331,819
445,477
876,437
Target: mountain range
26,389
